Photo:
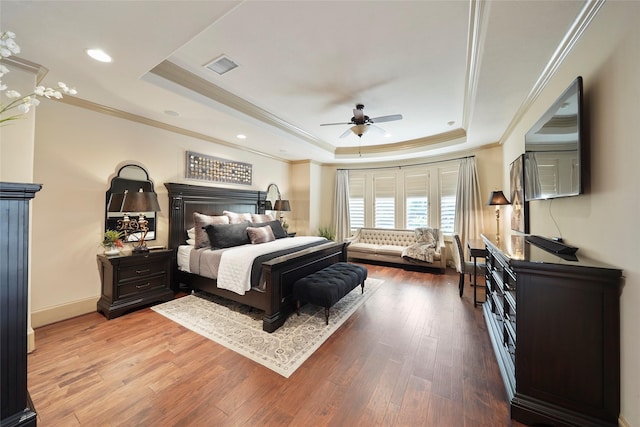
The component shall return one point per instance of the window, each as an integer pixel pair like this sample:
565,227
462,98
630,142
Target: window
416,187
406,197
356,202
448,188
385,198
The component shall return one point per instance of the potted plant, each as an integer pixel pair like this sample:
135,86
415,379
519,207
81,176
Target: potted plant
111,242
327,232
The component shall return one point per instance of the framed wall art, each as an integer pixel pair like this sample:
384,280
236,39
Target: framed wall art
208,168
519,207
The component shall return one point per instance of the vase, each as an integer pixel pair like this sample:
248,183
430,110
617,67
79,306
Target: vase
111,250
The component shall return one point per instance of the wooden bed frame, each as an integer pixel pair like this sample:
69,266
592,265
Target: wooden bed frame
280,273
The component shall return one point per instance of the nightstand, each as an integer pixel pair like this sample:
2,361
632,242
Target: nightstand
134,280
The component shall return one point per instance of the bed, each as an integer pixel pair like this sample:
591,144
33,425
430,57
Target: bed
279,273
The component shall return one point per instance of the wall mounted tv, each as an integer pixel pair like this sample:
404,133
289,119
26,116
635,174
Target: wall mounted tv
555,149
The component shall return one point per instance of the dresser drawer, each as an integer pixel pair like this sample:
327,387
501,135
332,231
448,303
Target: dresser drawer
132,289
137,271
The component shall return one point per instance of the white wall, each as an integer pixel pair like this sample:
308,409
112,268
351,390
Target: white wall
603,222
77,151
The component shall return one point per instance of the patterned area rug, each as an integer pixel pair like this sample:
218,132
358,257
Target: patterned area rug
239,328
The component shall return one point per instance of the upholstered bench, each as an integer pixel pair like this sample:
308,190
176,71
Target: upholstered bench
327,286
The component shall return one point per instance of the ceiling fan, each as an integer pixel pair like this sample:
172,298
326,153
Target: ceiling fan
363,123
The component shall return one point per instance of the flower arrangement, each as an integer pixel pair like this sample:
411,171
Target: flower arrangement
22,103
112,238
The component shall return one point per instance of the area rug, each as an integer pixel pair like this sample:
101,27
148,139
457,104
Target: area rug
239,328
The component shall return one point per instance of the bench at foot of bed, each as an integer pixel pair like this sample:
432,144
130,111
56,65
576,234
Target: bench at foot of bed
327,286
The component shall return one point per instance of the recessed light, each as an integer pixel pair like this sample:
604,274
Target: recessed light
99,55
171,113
241,136
451,123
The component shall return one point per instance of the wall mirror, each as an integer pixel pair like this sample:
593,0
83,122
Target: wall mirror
273,194
129,178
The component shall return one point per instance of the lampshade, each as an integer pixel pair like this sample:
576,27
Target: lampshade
140,202
115,202
497,198
282,205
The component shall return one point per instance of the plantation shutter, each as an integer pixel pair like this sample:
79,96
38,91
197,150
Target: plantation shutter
448,188
416,187
385,196
356,202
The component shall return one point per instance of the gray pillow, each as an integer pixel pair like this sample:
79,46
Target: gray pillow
227,235
276,227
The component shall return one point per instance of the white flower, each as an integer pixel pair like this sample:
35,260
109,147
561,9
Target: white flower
23,104
12,94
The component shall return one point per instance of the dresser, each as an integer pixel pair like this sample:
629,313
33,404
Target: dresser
554,323
134,280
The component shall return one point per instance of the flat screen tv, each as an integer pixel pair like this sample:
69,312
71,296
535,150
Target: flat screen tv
555,149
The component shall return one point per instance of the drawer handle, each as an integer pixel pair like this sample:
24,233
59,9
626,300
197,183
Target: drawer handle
143,271
143,286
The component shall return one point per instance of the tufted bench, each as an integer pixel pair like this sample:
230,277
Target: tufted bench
327,286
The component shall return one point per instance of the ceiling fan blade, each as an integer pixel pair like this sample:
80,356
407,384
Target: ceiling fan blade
386,118
346,133
333,124
377,129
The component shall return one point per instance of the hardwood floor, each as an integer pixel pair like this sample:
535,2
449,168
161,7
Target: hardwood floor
413,354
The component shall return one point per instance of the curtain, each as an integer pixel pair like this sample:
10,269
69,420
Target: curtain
341,206
532,189
469,223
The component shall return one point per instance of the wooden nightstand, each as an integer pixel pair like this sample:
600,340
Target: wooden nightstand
132,281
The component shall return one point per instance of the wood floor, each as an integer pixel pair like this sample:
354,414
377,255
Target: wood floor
414,354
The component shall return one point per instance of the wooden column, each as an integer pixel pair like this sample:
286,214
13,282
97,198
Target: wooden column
16,408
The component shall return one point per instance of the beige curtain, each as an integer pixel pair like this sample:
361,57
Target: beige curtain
341,206
469,222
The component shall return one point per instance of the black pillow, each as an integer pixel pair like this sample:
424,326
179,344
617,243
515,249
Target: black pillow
276,227
227,235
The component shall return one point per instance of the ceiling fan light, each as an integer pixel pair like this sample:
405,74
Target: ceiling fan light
360,129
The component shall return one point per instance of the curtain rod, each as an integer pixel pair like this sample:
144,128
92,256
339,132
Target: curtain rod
407,166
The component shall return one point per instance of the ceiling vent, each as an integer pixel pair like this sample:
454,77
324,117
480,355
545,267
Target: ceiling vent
221,65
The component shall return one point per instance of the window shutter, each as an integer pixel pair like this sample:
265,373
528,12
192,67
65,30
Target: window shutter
448,188
356,202
416,186
385,196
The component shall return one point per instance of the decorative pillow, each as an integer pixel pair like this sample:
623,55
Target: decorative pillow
227,235
191,233
237,218
200,222
260,218
191,242
427,235
260,234
276,227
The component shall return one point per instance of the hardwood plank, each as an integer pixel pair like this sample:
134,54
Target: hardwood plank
414,354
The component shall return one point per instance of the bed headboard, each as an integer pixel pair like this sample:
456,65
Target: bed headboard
185,199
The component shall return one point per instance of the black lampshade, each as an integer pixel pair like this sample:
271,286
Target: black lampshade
282,205
140,202
115,202
497,198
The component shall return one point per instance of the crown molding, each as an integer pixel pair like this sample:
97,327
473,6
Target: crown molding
451,137
188,80
582,21
82,103
28,66
478,15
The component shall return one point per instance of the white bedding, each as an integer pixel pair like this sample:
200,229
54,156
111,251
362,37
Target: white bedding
234,272
231,267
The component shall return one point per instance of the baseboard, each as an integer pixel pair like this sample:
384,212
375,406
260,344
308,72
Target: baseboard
63,312
622,422
31,340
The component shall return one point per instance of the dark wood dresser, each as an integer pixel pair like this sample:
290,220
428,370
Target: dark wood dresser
554,322
16,407
134,280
